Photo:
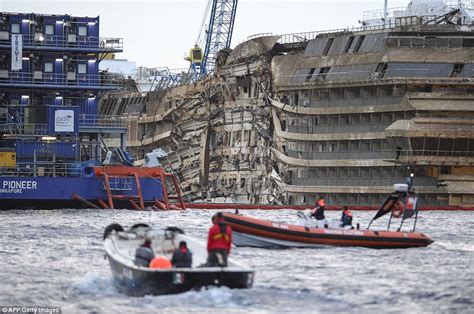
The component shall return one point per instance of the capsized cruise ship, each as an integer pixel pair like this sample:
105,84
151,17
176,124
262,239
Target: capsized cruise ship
342,114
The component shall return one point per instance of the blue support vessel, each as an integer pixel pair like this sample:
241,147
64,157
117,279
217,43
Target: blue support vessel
52,138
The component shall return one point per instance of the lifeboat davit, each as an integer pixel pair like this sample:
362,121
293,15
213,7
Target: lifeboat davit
254,232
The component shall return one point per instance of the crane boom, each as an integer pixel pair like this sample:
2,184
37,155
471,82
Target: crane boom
218,32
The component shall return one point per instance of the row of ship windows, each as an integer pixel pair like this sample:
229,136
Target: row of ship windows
305,98
364,72
340,146
48,29
48,67
360,199
346,119
353,92
350,172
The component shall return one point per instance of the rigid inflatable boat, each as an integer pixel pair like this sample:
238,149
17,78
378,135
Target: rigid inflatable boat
254,232
136,280
249,231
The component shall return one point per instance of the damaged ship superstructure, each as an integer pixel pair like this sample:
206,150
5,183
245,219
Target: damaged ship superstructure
343,115
216,132
360,111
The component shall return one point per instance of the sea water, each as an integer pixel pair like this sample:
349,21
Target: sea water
56,258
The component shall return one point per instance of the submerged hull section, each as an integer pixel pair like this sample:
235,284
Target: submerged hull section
262,233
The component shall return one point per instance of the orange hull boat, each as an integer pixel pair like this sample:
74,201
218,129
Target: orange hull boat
263,233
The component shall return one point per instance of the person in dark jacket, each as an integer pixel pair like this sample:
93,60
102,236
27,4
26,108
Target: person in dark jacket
182,257
346,217
219,242
318,211
144,254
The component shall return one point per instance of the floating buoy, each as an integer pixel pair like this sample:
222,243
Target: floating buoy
160,262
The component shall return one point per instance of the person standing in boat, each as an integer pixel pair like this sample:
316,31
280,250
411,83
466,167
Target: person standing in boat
318,212
144,254
219,242
182,257
346,218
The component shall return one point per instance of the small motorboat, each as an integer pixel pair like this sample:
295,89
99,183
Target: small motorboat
254,232
120,247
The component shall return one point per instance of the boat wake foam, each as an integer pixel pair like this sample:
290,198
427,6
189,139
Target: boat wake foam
456,247
94,284
212,297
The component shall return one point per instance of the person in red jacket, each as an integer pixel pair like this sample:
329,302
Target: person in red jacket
219,242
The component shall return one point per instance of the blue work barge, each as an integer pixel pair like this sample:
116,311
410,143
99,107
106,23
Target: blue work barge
52,150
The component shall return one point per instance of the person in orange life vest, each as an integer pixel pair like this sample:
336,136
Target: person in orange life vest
318,211
346,217
219,242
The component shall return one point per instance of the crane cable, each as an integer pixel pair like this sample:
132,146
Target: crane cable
204,19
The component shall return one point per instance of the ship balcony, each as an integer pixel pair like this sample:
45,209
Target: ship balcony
71,43
14,126
361,181
42,168
435,157
92,123
14,79
349,129
341,155
16,129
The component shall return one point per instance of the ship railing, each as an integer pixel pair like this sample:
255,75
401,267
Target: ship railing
259,35
42,168
327,129
67,80
406,74
469,152
39,40
15,124
365,100
29,128
302,37
95,120
429,41
307,36
317,77
347,180
407,11
349,153
145,73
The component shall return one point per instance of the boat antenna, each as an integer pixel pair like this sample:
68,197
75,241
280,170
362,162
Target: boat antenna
385,13
416,219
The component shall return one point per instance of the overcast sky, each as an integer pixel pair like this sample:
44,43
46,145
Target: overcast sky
159,32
